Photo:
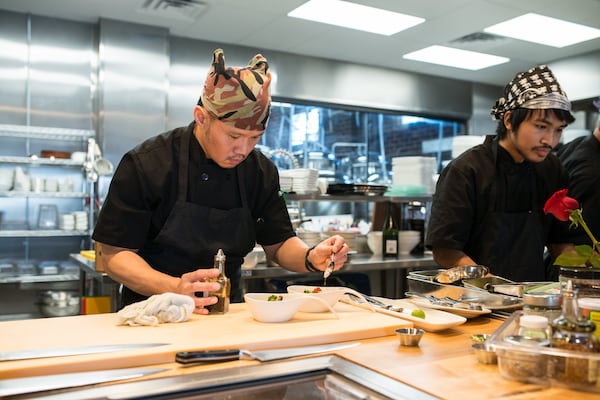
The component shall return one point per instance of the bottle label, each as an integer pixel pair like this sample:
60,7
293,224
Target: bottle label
391,246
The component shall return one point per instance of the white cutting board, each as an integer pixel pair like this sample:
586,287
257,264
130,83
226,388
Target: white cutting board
236,329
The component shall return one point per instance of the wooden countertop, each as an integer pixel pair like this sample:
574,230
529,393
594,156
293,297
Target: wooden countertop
442,365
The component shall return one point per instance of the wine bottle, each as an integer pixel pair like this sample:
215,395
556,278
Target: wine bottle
222,304
390,234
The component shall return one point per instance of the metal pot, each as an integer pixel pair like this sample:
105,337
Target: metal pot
59,303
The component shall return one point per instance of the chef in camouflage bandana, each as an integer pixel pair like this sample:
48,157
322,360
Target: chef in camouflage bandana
181,196
238,96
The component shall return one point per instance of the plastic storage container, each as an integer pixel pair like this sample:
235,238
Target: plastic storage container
533,364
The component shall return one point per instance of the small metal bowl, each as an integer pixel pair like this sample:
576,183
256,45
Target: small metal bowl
409,336
484,353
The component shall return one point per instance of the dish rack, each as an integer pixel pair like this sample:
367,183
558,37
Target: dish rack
544,365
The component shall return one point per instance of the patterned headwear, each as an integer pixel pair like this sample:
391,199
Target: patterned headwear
238,96
535,89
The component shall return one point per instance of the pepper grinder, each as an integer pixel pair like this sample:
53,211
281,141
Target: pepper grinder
222,304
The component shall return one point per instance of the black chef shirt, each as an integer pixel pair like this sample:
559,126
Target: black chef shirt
144,189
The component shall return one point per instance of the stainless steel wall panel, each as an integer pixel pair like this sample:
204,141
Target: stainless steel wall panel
190,61
316,80
133,85
62,76
13,68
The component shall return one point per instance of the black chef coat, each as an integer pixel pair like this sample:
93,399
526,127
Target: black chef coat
491,208
143,195
581,158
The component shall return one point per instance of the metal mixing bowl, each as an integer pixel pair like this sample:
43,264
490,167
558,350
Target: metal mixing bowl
60,303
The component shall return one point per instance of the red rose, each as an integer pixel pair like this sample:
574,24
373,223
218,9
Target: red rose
560,205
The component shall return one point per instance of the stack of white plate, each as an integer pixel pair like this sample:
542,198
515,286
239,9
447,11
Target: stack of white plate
66,222
415,172
464,142
81,220
7,179
304,180
285,183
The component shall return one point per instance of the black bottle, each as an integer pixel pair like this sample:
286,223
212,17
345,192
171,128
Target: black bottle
390,235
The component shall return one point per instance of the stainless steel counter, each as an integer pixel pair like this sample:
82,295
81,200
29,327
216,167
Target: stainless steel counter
355,263
391,272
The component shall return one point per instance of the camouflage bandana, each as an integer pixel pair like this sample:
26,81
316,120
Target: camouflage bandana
238,96
535,89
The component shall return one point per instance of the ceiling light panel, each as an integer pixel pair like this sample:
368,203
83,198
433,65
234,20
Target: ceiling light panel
355,16
544,30
456,58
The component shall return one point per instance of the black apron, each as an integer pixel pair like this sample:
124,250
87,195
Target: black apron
192,234
511,244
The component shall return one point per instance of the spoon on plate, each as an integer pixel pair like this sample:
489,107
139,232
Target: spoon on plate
375,302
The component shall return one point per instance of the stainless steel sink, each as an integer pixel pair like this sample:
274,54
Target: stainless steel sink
323,377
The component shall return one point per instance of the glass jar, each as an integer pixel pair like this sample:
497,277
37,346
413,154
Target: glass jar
585,280
542,304
574,333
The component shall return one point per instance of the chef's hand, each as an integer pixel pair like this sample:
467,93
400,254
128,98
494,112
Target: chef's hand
198,281
320,256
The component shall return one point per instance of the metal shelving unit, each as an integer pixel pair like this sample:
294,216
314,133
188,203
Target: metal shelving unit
71,138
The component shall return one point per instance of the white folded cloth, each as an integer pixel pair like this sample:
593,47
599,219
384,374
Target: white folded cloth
156,309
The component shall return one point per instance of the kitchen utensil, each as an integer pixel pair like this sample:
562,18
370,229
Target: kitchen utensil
455,274
446,301
11,387
496,284
424,282
190,357
328,270
373,301
72,351
103,167
409,336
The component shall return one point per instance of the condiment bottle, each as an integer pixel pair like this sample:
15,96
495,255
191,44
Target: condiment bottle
390,234
534,328
572,332
222,304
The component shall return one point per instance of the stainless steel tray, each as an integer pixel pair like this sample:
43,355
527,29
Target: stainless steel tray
423,282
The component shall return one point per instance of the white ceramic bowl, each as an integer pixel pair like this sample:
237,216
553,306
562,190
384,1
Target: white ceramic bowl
282,310
329,294
374,241
407,243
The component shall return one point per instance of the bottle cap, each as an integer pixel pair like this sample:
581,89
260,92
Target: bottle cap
534,321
